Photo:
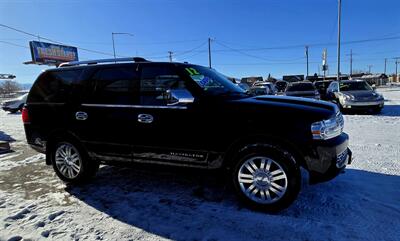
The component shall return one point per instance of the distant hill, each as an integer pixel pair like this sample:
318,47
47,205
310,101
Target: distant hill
26,86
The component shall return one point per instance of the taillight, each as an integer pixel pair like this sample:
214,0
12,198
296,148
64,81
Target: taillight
25,115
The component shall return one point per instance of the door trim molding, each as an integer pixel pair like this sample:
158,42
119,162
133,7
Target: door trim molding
136,106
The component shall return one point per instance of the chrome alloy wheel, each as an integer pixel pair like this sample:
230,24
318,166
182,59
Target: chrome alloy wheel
262,180
68,161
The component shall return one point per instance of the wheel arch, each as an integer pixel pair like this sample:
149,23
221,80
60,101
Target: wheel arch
282,145
60,135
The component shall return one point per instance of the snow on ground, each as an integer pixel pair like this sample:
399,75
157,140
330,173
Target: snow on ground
155,204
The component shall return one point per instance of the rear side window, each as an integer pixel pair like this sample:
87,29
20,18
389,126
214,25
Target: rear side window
54,86
155,81
301,87
116,85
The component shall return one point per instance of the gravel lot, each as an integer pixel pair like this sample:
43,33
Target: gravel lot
156,204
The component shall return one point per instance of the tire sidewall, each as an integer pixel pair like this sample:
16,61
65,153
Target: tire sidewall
290,168
84,169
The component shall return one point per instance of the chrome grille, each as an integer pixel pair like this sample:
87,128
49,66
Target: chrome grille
340,120
341,159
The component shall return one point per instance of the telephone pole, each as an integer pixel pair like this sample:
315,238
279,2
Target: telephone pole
385,66
113,41
351,62
396,61
307,60
170,55
209,52
369,68
338,37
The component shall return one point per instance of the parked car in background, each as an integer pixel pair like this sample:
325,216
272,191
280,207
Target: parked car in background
355,95
244,86
86,113
302,89
263,88
280,86
14,105
322,87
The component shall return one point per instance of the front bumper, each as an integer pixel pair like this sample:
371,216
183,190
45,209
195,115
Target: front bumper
362,104
328,158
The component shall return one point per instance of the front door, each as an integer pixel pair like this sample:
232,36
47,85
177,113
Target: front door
166,131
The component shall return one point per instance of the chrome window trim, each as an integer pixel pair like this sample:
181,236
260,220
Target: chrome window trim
136,106
45,103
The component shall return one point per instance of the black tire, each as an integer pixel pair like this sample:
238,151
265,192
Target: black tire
88,167
285,162
13,111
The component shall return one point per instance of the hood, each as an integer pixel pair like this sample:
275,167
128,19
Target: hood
291,107
361,94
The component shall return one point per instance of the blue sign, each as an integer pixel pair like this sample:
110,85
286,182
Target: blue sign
48,53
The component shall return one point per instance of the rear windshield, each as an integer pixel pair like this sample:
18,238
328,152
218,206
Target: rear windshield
301,87
350,86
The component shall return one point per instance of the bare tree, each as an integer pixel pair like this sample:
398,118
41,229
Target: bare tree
8,87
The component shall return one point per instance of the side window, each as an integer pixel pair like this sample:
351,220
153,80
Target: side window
156,82
54,86
116,85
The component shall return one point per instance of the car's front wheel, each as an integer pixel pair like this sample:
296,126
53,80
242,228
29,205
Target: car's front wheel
71,163
267,179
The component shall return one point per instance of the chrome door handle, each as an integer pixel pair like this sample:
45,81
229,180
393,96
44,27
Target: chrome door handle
145,118
80,115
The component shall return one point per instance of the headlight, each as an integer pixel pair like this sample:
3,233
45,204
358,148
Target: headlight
327,129
379,97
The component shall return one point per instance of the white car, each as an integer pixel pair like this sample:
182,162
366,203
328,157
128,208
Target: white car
14,105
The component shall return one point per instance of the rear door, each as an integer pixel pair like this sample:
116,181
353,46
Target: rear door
105,118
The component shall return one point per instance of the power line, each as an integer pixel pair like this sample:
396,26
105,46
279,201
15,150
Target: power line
54,41
311,45
17,45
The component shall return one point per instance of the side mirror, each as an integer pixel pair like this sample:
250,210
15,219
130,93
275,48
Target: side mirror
179,96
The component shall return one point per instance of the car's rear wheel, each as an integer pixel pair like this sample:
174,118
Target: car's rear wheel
71,163
267,179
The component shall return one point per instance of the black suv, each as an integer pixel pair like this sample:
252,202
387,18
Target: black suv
83,114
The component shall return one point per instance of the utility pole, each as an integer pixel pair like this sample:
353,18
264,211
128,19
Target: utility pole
170,55
351,62
338,44
209,52
307,60
112,35
385,66
396,61
369,68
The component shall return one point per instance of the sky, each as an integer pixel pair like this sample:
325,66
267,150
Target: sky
249,38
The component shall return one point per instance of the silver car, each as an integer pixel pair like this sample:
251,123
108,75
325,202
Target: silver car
14,105
355,95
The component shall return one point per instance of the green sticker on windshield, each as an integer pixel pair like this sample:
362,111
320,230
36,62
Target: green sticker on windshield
192,71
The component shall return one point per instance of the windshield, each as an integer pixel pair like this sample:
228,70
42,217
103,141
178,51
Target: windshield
301,87
211,81
352,86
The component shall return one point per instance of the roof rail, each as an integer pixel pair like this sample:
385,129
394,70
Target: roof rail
99,61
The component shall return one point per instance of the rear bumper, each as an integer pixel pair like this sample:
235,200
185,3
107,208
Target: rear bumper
328,158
